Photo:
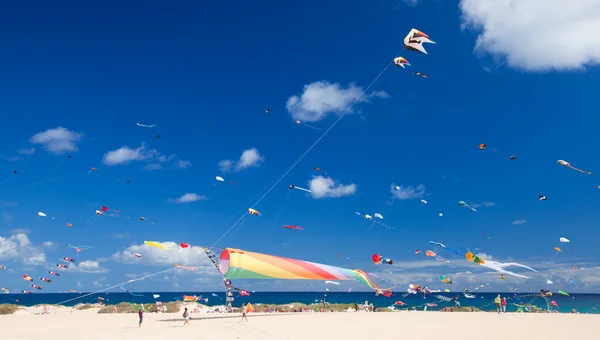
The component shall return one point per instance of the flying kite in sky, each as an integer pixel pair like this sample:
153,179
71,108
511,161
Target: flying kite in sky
421,74
542,198
464,204
235,263
445,280
45,279
298,188
144,125
309,126
253,212
424,201
564,240
295,227
400,61
127,290
377,259
414,41
27,277
155,245
564,163
497,266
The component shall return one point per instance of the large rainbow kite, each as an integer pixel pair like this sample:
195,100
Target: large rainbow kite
240,264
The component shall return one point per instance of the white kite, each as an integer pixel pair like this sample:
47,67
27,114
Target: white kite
414,41
564,240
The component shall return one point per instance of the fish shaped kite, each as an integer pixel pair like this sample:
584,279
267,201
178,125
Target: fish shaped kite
497,266
565,163
464,204
298,188
144,125
414,41
240,264
377,259
400,61
421,74
45,279
253,212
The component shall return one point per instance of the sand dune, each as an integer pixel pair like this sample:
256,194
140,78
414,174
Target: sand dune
66,324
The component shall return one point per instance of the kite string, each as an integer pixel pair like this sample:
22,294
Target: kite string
315,143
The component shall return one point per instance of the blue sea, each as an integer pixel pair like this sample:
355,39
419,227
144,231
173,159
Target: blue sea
583,303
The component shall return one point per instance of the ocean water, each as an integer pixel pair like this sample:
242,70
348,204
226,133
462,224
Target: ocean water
584,303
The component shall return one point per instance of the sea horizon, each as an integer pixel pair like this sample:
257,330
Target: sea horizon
582,302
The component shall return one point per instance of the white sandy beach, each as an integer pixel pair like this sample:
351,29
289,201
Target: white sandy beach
65,323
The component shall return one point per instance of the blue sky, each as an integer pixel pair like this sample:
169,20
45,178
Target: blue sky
76,78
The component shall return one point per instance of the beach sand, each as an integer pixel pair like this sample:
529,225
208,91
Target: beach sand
66,323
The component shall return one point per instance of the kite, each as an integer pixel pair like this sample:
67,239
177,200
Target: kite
414,41
45,279
244,293
155,244
440,214
558,250
563,293
512,158
333,283
184,245
253,212
293,227
5,290
497,266
185,267
103,208
400,61
220,179
564,240
69,225
502,277
463,204
298,188
446,280
68,259
417,252
564,163
430,253
2,267
54,273
424,201
146,126
98,213
188,298
235,263
421,74
310,126
482,146
377,259
572,281
549,282
444,298
545,292
156,296
37,287
41,214
542,198
137,255
27,278
63,266
267,110
378,215
25,292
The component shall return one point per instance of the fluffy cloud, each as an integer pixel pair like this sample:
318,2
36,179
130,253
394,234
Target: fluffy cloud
90,267
322,187
58,140
192,256
407,193
18,247
534,35
322,98
125,155
484,204
517,222
249,159
189,197
26,151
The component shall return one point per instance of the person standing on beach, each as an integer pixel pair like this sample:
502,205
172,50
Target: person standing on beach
186,316
141,314
244,310
498,301
503,305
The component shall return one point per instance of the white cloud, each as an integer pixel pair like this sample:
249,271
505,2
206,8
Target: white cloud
322,187
408,192
250,158
26,151
322,98
125,155
58,140
517,222
183,164
535,35
18,247
192,256
152,167
90,267
47,244
484,204
190,197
